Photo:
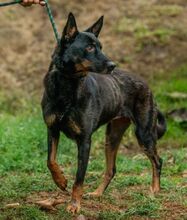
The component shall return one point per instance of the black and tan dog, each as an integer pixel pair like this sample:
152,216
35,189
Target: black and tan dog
82,92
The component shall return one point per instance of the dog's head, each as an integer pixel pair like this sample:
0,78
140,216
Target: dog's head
82,51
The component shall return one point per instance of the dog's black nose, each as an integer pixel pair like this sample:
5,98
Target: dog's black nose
110,65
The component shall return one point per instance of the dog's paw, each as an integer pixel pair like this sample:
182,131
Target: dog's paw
154,190
73,207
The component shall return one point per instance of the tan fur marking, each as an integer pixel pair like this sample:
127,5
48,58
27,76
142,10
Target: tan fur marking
155,187
72,31
56,172
79,67
73,125
75,204
57,175
77,192
86,63
110,160
155,180
49,120
83,66
53,150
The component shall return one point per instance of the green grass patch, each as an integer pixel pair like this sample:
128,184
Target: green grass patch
145,33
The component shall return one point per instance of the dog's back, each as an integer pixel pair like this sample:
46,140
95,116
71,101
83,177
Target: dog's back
115,93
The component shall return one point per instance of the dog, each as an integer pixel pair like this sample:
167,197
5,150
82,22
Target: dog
84,90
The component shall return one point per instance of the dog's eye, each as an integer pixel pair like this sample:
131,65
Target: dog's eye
90,48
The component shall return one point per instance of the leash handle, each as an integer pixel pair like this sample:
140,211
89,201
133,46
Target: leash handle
49,12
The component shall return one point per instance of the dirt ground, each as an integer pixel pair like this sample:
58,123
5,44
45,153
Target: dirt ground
146,37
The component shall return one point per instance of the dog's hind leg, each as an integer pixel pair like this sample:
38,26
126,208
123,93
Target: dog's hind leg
156,162
150,150
57,174
114,133
146,133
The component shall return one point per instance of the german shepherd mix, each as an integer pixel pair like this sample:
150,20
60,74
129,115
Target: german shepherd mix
83,91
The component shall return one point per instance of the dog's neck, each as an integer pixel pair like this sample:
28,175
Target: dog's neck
61,89
67,69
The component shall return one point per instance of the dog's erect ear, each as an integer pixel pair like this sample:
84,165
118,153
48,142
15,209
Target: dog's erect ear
96,27
70,29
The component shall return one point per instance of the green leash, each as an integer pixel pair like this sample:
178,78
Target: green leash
10,3
51,18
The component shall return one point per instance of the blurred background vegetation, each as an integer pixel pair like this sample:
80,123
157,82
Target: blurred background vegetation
146,37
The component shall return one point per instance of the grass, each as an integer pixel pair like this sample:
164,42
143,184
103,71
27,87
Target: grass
168,10
152,29
24,177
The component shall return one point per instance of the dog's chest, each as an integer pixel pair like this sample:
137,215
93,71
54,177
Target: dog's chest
71,127
68,124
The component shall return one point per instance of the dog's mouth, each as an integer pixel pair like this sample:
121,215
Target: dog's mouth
85,66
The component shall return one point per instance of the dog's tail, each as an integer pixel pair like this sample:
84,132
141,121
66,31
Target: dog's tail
161,124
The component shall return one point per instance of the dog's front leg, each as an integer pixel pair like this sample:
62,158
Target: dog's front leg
83,156
57,174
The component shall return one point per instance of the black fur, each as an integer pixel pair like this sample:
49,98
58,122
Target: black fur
78,99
